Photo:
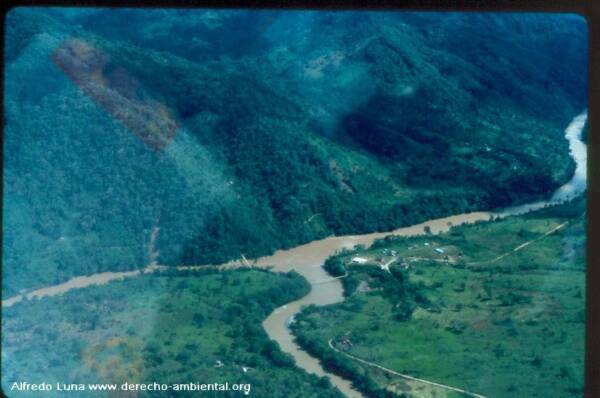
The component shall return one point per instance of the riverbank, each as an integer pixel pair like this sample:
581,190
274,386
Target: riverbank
201,326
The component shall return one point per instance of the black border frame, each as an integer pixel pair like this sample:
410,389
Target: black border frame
589,9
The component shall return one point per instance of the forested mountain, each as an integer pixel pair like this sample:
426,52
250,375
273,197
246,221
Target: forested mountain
239,132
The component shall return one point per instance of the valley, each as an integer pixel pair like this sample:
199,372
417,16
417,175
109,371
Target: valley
312,203
326,290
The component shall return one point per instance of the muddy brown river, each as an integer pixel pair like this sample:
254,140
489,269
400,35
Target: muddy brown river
308,258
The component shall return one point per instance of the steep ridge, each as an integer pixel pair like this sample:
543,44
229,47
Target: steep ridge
325,123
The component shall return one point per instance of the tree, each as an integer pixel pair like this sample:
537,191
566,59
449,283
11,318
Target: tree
334,266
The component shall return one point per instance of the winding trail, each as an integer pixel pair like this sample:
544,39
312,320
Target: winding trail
307,260
404,376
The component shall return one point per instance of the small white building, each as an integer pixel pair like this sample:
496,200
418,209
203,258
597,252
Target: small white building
439,250
359,260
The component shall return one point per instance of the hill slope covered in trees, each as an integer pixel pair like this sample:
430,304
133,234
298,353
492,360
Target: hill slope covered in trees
290,126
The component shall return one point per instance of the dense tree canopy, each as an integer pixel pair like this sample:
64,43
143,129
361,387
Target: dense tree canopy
291,126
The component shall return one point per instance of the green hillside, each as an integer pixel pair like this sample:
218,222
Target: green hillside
291,126
192,327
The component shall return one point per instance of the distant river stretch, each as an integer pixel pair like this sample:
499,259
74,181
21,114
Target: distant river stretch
308,258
